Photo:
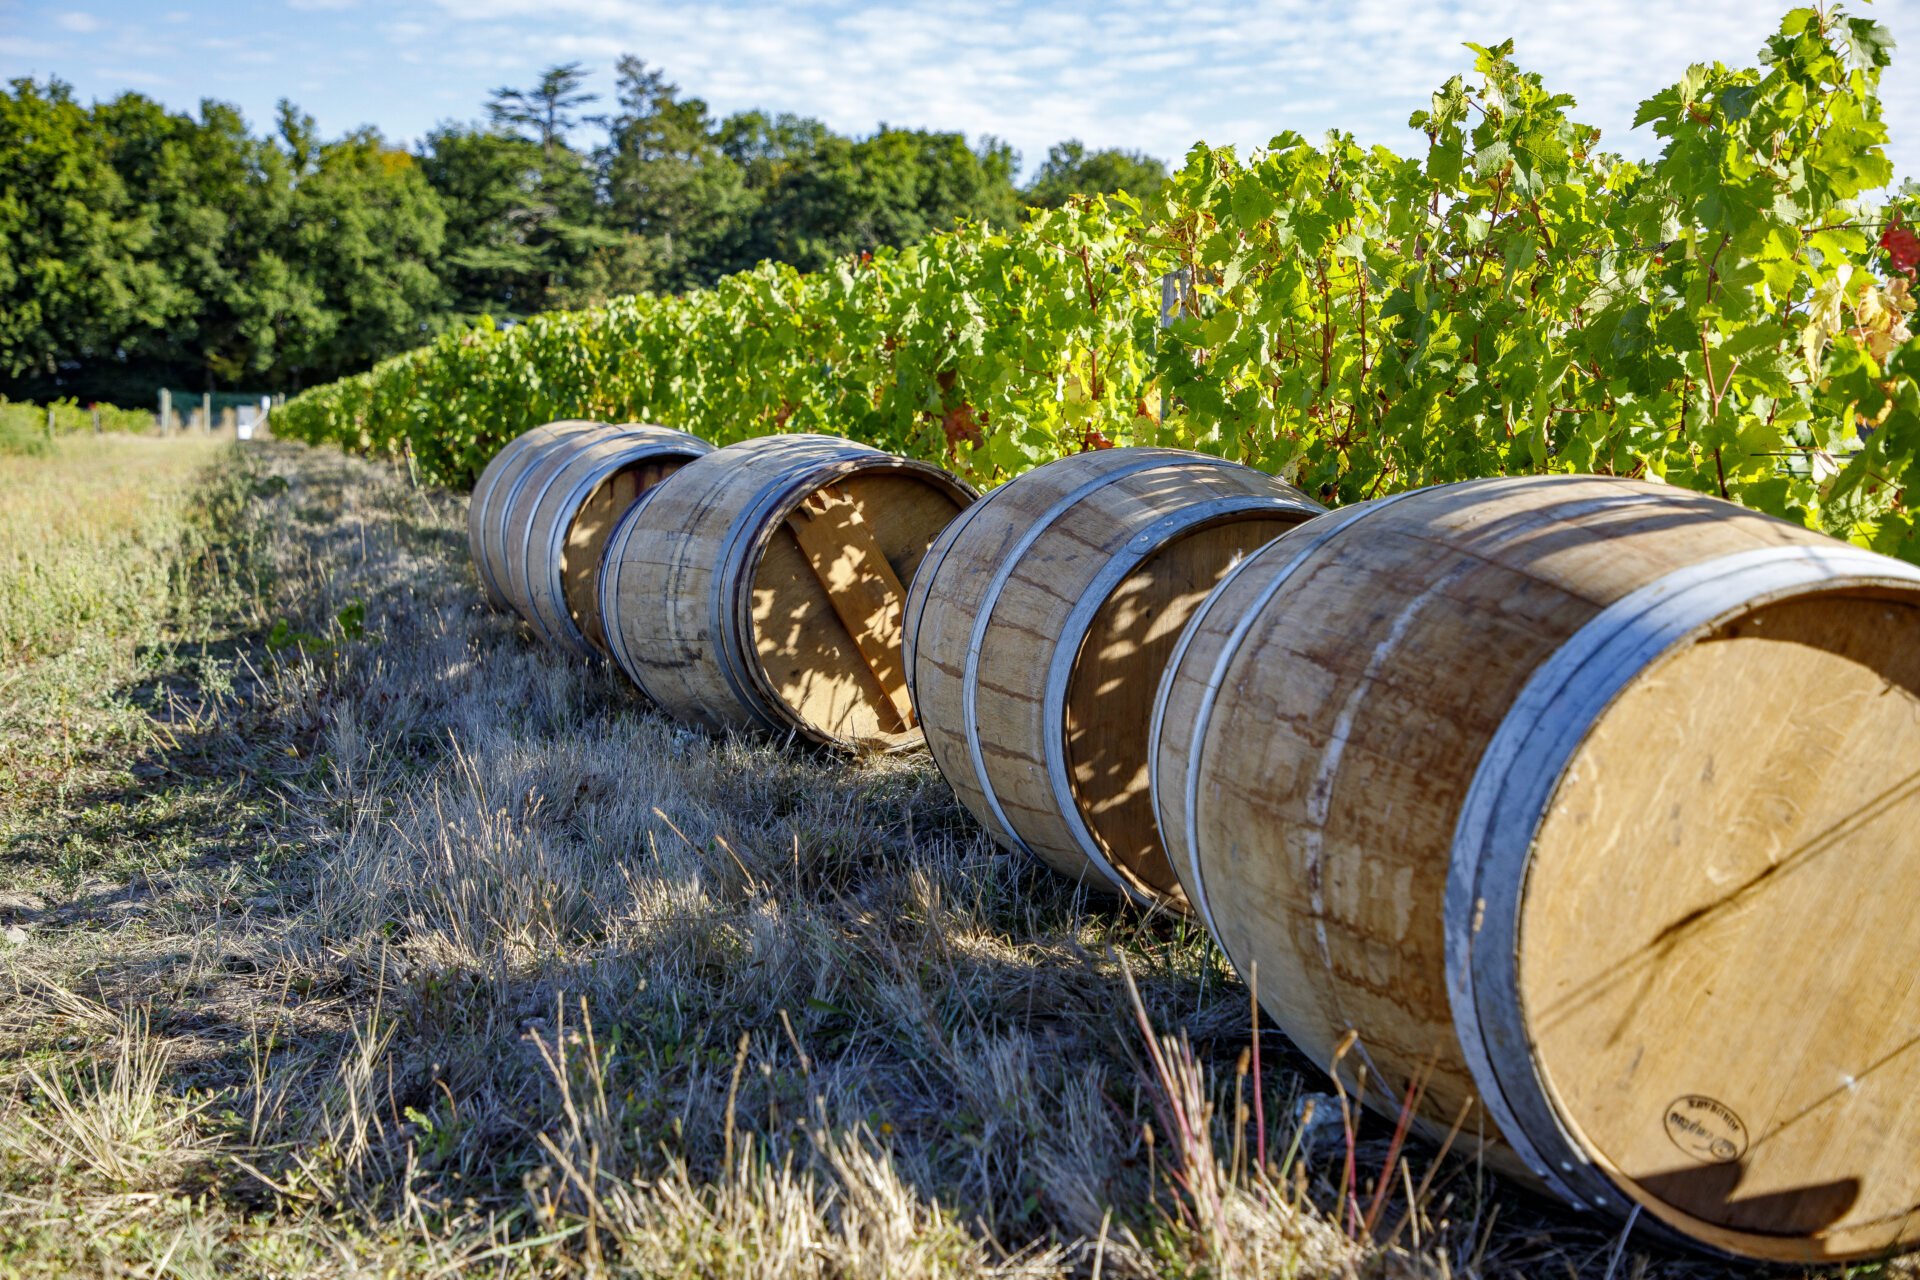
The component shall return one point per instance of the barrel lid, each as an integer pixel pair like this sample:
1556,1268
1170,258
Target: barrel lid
1712,961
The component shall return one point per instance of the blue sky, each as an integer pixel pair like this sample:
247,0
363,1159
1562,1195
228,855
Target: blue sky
1150,74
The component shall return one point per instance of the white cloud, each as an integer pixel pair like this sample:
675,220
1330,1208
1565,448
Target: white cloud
76,21
1150,74
1153,75
137,77
23,50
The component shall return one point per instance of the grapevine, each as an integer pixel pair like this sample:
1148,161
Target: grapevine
1731,317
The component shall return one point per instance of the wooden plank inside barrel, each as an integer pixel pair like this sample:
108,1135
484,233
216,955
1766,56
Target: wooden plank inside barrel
865,593
586,540
1109,703
556,522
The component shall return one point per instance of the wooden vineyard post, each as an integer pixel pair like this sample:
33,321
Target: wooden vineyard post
1176,294
1174,291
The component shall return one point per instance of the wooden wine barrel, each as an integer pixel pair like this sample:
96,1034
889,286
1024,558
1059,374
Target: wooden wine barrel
495,488
557,524
760,587
1600,801
1037,632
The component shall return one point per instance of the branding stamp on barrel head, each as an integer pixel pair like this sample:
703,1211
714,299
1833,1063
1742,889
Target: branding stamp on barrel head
1706,1129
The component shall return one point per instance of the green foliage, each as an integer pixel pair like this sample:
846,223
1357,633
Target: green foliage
850,195
229,302
524,223
18,440
23,427
547,108
670,183
1071,170
365,234
70,277
1730,317
141,247
349,625
71,417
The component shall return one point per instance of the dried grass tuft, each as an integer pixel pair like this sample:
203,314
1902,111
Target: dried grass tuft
108,1121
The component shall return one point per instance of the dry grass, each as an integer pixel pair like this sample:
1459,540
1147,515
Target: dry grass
88,532
402,946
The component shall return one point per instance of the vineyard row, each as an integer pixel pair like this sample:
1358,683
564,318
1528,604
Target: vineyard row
1731,317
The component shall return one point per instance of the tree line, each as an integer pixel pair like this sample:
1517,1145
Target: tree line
142,247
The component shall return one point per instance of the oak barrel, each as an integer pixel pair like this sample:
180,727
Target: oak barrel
1600,800
760,587
1037,631
556,525
495,488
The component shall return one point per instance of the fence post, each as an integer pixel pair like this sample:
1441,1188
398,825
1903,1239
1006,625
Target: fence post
1176,292
49,422
206,412
166,412
96,418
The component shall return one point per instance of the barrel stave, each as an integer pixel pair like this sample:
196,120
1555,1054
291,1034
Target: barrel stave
539,525
669,559
499,481
570,512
